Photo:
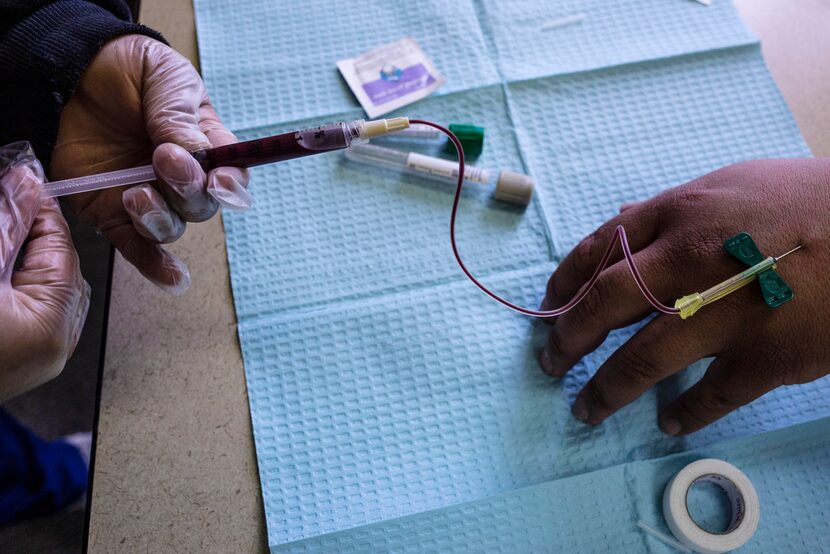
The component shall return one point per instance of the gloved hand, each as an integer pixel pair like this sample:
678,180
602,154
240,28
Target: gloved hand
43,304
678,239
140,100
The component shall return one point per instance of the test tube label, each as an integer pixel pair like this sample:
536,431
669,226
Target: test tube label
445,168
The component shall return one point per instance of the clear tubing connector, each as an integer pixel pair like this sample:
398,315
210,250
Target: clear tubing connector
285,146
512,187
337,136
378,128
414,133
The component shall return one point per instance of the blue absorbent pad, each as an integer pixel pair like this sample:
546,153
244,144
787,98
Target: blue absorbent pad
395,408
598,511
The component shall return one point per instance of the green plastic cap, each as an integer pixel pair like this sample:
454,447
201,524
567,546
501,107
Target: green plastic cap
471,137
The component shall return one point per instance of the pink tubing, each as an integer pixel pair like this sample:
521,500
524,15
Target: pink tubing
619,236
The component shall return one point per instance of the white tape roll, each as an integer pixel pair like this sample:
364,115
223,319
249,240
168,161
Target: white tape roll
746,510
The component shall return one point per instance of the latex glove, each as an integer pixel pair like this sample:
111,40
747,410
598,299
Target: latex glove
140,100
43,304
678,239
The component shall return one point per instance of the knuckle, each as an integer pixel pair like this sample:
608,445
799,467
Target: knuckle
556,343
782,366
636,367
693,415
201,213
698,244
675,205
719,399
551,288
717,395
133,247
214,127
582,256
730,309
690,253
598,395
747,169
688,196
595,301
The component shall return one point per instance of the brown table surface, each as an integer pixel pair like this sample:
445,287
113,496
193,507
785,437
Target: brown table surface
175,468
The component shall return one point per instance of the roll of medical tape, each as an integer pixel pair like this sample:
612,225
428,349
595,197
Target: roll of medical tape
746,510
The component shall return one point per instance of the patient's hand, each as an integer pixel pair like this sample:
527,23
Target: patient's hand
678,238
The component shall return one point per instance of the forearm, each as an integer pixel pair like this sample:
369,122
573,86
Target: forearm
45,46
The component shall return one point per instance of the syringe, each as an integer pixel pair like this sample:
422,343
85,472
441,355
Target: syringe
286,146
512,187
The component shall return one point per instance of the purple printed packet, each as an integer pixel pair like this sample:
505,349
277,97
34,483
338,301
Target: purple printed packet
390,76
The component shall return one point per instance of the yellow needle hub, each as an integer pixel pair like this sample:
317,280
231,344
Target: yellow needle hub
691,303
776,292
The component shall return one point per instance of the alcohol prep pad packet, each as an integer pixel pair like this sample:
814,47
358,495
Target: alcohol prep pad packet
390,76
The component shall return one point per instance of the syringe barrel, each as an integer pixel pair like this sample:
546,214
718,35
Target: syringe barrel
297,144
277,148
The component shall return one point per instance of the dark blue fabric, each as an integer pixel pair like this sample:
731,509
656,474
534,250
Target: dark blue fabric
37,477
45,46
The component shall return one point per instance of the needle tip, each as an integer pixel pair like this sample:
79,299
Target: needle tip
788,252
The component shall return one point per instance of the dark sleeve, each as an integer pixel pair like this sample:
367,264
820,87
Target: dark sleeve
45,46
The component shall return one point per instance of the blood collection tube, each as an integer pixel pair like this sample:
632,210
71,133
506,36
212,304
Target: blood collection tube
512,187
